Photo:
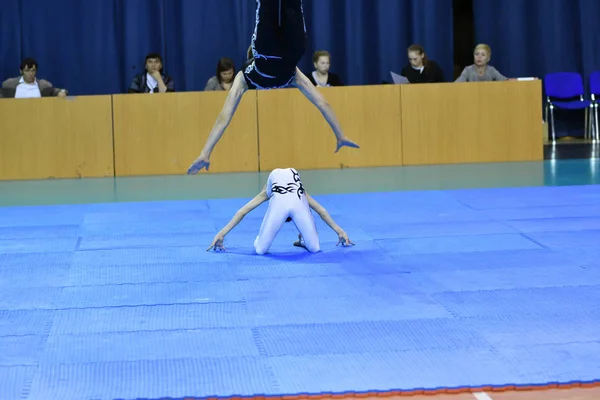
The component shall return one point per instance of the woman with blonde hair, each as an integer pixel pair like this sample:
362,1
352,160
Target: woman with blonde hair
480,70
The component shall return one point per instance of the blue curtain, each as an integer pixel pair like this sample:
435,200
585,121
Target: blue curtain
533,38
368,39
97,46
10,38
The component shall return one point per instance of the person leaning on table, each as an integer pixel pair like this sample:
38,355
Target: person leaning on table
27,85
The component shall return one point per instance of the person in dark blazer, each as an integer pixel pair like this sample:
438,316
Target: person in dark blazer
420,69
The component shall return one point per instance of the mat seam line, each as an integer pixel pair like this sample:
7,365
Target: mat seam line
526,236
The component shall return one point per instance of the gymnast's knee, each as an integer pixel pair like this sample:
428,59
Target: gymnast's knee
312,247
260,249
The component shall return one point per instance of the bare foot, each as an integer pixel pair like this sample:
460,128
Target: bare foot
345,142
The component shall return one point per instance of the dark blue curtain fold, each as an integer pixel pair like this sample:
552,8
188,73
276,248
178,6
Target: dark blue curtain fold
368,39
73,43
97,46
10,38
533,38
199,33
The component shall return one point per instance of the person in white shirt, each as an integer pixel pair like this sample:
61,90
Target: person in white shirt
27,85
288,202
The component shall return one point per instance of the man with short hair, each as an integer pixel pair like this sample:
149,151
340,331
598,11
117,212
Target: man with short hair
28,86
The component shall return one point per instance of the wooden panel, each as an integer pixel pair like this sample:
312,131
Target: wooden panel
163,134
56,138
293,132
472,122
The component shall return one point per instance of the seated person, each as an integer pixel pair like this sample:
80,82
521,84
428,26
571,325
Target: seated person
152,80
28,86
224,76
321,75
421,69
481,71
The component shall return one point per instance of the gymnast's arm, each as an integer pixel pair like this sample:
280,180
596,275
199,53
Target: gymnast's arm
237,218
319,209
238,88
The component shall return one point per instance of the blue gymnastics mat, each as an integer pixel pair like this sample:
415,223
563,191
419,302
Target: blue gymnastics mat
444,289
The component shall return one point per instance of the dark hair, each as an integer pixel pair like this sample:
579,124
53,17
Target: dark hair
28,63
288,219
224,64
417,48
151,56
319,54
154,56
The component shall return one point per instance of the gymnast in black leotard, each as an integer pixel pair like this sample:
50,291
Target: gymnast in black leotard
278,44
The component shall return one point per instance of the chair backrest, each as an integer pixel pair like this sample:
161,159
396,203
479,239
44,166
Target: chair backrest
563,85
595,83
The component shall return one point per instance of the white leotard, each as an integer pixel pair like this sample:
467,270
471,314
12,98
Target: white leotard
286,199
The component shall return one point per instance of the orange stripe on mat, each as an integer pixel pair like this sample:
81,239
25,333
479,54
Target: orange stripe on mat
422,392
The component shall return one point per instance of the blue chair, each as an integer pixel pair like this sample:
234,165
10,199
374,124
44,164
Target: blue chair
564,90
595,92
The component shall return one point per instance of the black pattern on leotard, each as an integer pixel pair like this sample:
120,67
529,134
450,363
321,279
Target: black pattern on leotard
300,190
291,187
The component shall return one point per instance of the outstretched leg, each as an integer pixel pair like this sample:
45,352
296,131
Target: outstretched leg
315,97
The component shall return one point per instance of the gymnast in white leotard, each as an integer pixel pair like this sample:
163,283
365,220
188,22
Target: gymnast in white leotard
288,202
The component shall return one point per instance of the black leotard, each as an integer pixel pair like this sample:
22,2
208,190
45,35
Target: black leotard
278,44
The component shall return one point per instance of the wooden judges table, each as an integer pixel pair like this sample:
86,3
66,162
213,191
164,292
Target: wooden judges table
128,135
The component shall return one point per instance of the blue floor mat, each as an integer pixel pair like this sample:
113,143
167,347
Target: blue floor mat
151,318
443,289
15,382
565,362
25,322
35,261
528,301
556,224
503,279
369,337
148,345
39,232
148,294
459,244
538,329
38,245
154,379
21,350
151,273
409,370
29,277
549,213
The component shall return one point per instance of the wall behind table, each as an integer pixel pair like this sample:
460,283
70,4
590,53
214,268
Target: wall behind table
292,132
454,123
54,138
163,134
